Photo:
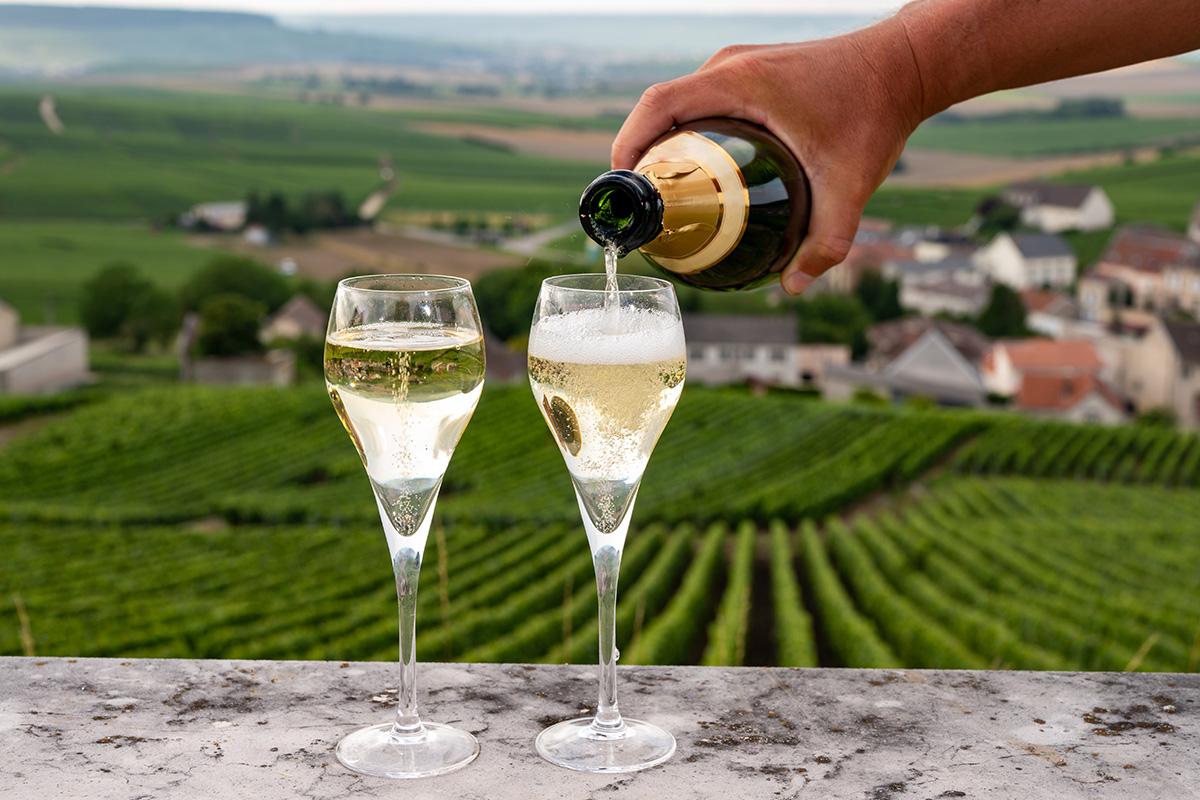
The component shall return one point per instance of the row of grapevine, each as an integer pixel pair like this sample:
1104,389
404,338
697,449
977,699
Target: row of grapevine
795,643
671,637
853,637
729,630
1019,446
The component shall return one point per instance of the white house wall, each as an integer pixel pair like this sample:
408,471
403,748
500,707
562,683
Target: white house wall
9,326
1186,403
55,360
1097,212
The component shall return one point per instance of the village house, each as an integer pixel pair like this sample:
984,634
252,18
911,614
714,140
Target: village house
1058,207
1028,260
873,247
729,349
42,358
276,367
915,357
1162,371
1143,270
1079,398
949,295
951,285
298,318
1055,314
1059,379
916,271
1009,362
220,216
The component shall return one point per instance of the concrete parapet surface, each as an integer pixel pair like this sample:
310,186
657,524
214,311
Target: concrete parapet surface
132,728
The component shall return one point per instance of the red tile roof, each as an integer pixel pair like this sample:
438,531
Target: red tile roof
1062,393
1149,249
1054,355
1041,299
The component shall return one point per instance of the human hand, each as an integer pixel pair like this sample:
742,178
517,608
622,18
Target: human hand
844,106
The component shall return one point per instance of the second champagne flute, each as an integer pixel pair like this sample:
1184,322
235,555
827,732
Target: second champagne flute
606,365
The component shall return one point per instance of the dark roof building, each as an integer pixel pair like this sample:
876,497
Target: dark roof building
740,329
1186,338
1042,245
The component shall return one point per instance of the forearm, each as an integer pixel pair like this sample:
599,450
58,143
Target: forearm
966,48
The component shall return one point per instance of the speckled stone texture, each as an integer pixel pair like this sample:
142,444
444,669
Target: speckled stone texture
104,728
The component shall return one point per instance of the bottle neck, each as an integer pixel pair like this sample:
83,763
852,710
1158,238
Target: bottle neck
621,209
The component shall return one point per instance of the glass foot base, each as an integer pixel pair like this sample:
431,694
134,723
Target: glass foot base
575,744
379,751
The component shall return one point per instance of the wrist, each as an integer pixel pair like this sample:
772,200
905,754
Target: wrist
898,77
948,50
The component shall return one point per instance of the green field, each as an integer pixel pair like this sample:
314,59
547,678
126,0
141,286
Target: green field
46,262
131,157
1049,137
237,523
149,154
1163,192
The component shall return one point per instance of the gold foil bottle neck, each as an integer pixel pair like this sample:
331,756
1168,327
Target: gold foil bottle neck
705,202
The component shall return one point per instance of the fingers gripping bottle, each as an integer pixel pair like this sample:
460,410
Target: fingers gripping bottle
719,204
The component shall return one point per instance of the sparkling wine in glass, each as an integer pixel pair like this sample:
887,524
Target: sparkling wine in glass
404,368
606,365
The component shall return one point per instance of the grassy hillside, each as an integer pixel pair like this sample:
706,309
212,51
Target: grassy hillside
47,262
1047,137
236,522
128,158
149,154
1163,192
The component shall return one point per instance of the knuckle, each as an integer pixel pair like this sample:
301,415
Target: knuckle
657,97
829,251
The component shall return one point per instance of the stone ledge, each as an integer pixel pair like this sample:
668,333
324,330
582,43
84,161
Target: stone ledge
108,728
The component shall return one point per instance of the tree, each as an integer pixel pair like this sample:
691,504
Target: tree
108,298
272,213
119,303
236,275
993,215
229,326
326,210
1004,315
880,296
154,317
835,319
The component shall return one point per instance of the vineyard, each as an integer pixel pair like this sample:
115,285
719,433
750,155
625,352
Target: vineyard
237,523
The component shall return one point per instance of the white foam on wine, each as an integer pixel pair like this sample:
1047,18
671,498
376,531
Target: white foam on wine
643,336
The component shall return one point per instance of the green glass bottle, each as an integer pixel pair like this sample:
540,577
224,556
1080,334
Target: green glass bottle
719,204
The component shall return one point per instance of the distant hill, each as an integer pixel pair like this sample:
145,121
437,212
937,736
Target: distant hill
48,41
647,37
41,41
93,17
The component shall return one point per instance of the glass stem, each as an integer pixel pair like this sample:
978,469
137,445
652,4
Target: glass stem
407,566
607,563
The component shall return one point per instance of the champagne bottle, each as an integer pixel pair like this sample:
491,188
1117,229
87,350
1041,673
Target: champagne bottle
720,204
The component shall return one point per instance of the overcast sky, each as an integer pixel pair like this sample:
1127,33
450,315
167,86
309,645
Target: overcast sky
288,7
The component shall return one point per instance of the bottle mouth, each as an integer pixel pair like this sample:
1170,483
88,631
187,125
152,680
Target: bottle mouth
621,209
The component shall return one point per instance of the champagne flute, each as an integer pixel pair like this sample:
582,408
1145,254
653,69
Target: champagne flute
404,368
606,366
